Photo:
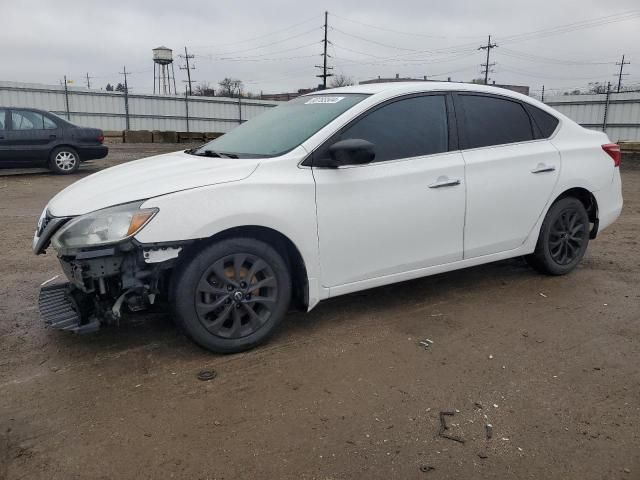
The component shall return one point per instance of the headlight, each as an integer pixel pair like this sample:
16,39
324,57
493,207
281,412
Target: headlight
103,227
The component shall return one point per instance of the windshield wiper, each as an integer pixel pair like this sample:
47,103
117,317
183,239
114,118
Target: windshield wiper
211,153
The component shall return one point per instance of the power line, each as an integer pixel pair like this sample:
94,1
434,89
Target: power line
306,32
487,66
620,74
260,36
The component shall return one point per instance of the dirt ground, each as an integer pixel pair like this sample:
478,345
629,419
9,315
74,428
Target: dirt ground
343,392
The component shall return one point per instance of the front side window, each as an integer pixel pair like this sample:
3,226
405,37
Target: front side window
406,128
3,123
26,120
494,121
282,128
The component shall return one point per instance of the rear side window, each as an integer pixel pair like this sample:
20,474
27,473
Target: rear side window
545,122
26,120
3,123
48,123
494,121
405,128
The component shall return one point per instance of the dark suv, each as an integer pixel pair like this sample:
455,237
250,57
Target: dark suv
35,138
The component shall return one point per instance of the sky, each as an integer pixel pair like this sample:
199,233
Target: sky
272,46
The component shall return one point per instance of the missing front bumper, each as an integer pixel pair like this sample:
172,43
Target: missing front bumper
61,309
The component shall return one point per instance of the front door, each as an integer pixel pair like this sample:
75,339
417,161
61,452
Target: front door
402,212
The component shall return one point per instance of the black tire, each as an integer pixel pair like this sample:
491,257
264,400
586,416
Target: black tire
563,239
206,291
64,160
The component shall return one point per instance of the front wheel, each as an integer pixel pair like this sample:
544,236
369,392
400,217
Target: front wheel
232,295
563,239
64,160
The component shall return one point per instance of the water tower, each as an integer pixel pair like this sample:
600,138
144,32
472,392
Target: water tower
163,74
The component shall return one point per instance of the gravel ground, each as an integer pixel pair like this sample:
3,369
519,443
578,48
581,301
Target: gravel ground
343,392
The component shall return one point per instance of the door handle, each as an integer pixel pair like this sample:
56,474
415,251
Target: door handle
52,137
445,182
541,168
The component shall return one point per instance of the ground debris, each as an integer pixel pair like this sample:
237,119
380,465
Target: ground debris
206,375
444,427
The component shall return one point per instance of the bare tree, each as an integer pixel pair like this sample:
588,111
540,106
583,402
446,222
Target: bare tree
230,87
204,90
341,81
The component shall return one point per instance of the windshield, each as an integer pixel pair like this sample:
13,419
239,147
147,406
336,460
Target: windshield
282,128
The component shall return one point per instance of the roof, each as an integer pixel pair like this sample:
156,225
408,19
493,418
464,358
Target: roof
416,87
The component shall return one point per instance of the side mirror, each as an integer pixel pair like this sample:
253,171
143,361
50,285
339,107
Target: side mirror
353,151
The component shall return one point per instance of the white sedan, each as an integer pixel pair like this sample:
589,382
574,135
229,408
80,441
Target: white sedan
333,192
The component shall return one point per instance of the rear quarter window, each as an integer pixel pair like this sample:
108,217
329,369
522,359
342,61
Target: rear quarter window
545,122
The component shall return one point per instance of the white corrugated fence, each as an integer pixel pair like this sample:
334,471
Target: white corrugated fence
618,115
108,110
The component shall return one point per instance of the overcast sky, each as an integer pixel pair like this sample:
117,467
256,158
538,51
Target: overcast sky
273,45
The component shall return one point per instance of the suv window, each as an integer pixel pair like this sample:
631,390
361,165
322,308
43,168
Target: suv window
494,121
26,120
545,122
405,128
2,119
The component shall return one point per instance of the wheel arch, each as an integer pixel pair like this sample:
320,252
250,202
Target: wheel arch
588,200
283,244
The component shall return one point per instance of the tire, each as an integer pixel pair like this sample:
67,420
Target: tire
215,294
563,239
64,160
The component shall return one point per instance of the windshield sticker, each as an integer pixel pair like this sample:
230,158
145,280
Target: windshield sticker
323,100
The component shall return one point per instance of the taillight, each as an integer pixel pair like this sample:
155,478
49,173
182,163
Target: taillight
613,150
100,138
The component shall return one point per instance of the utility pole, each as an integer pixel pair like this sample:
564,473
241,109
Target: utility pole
620,74
188,68
324,67
606,107
126,96
487,66
88,82
66,97
542,94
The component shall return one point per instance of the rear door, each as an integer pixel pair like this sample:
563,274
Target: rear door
510,172
31,137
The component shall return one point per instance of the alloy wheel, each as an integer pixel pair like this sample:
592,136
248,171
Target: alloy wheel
65,161
236,295
566,237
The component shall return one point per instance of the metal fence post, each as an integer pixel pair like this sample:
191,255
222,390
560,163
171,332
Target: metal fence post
66,97
186,106
606,107
239,109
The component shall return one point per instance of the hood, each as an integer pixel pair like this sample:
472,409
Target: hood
147,178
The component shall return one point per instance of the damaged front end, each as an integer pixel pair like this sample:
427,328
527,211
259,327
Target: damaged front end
103,279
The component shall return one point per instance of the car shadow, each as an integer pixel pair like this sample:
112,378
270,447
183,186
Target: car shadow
157,332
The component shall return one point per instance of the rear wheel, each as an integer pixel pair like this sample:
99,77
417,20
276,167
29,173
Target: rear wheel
64,160
563,239
232,295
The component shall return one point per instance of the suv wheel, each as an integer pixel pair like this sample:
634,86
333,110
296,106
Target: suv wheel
563,239
64,160
231,295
